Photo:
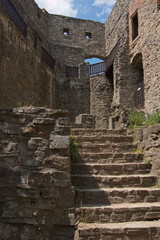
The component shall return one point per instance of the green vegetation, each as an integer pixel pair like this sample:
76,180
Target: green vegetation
138,119
153,119
73,148
138,151
14,105
86,215
146,160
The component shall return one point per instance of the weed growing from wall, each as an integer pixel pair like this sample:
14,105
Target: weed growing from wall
73,148
138,119
153,119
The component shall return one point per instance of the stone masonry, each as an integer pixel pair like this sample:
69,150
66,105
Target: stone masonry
111,191
148,142
117,198
35,186
135,69
147,44
71,49
129,60
24,78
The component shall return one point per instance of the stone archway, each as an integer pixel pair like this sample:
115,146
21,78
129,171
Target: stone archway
137,64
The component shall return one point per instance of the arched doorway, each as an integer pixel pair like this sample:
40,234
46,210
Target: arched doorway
96,65
137,64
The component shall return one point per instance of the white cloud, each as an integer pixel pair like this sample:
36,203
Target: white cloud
104,2
62,7
106,10
106,6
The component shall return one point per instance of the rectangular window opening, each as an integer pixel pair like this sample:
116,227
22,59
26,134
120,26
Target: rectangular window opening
35,42
88,35
135,29
158,4
66,31
72,72
47,58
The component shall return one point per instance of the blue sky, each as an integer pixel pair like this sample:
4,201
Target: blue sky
96,10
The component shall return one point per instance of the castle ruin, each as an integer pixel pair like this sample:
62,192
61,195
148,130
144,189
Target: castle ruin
42,64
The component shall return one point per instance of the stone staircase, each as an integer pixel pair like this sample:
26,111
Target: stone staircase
116,196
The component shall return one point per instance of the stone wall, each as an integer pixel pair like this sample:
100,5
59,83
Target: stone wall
136,60
35,17
116,25
75,93
71,50
76,38
35,186
27,80
101,98
117,34
24,78
147,43
148,141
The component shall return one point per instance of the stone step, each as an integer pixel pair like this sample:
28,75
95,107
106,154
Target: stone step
111,169
143,230
105,158
107,181
125,212
89,131
94,139
116,195
106,148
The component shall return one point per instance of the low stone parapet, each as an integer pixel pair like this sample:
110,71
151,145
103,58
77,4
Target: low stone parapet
148,141
36,193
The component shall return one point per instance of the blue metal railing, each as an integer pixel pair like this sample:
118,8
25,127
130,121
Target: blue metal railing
96,68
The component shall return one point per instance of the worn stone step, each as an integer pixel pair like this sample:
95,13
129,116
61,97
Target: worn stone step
116,195
105,158
143,230
99,181
94,139
111,169
89,131
106,148
114,213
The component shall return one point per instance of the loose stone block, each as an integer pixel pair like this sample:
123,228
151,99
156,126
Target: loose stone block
59,142
44,121
10,129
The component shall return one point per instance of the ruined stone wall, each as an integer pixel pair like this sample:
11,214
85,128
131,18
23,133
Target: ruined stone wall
127,72
35,17
71,50
117,32
76,37
35,186
24,78
148,141
30,80
116,25
101,98
148,44
75,92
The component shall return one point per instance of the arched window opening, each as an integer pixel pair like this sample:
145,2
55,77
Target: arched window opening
96,66
139,82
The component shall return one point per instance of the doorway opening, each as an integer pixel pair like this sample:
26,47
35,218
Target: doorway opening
139,100
96,65
110,76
